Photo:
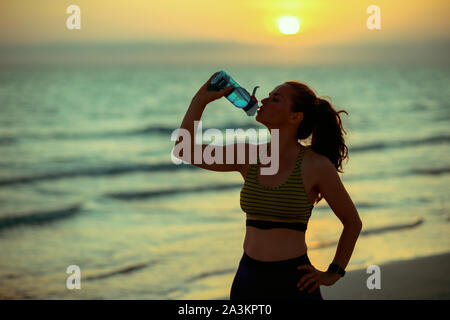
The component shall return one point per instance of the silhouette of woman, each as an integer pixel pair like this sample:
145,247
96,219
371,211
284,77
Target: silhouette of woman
275,263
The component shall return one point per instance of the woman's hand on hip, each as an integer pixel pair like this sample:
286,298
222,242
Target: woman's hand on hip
316,277
205,96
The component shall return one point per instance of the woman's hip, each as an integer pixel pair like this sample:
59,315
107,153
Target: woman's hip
270,279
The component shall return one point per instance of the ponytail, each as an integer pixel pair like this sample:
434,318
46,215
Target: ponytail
322,122
328,133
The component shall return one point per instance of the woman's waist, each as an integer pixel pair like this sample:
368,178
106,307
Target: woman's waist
286,266
274,244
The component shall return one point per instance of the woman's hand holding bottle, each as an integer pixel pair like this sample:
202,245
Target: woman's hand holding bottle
204,96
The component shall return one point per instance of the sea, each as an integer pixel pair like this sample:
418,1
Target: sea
87,178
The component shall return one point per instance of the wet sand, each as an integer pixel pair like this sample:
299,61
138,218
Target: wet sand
425,278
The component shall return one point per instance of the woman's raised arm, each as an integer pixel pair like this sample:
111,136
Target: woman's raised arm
188,151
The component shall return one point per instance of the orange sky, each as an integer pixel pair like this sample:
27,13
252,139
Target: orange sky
323,22
241,20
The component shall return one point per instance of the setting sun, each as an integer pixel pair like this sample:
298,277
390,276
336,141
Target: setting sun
288,25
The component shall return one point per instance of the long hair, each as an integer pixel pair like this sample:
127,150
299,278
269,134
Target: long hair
320,121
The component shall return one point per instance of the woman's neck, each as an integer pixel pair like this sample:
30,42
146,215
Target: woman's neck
287,143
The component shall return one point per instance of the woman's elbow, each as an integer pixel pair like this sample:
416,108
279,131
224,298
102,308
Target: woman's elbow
354,223
359,224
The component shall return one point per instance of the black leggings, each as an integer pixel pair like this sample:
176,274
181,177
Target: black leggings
257,279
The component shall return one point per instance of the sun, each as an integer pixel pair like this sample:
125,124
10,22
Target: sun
288,25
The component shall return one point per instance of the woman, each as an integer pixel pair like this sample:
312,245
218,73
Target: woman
275,263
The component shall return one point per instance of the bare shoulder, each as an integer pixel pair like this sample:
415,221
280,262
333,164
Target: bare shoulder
316,166
316,161
329,184
325,175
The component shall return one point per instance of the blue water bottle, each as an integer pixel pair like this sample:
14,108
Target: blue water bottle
239,97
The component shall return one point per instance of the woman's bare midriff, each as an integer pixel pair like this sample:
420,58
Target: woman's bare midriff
274,244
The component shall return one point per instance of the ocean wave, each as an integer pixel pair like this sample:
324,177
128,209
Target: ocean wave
394,227
168,130
211,274
170,167
139,195
96,172
160,167
388,228
119,271
430,171
400,143
148,130
367,205
38,217
7,140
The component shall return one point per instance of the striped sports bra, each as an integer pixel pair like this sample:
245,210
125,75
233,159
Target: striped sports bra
288,202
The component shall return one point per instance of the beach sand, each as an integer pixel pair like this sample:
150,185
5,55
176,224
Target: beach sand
424,278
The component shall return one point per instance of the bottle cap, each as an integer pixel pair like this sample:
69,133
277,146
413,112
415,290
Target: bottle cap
252,110
252,105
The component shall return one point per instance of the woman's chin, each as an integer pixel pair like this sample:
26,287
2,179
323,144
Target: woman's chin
263,121
260,119
258,116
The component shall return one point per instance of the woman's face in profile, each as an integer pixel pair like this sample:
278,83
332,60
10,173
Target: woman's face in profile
275,110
